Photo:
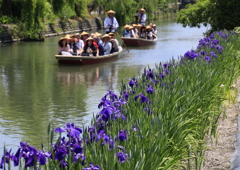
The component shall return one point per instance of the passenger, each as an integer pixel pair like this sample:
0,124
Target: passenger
135,30
89,48
132,32
106,44
127,32
63,46
100,46
149,32
84,36
96,34
114,45
76,44
142,33
154,31
113,35
142,17
110,22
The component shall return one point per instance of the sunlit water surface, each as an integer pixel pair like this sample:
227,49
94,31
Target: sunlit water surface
36,91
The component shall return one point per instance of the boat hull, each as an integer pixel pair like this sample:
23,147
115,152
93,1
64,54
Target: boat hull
85,60
138,42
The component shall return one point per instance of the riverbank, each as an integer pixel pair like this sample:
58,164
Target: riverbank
12,33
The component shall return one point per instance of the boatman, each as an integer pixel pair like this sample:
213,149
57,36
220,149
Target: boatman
142,17
110,22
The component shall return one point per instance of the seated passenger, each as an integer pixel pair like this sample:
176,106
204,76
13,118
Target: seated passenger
100,46
114,45
142,33
149,33
106,44
96,34
63,46
79,43
113,36
135,30
132,32
84,36
127,33
89,48
154,31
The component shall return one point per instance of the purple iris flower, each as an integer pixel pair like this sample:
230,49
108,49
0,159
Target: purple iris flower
122,136
111,95
133,82
211,36
6,158
104,102
143,98
207,58
134,128
122,157
60,154
92,167
125,94
219,48
203,52
150,89
167,72
161,75
213,54
71,129
215,42
77,156
150,74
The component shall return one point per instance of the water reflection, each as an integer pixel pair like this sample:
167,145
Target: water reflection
35,90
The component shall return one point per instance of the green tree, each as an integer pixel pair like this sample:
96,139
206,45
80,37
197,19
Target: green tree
220,14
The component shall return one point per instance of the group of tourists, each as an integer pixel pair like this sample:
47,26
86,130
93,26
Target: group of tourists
86,44
140,31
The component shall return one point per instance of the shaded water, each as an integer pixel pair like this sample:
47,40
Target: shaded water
35,90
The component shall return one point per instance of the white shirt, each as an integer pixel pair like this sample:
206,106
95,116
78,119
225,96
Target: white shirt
107,47
108,22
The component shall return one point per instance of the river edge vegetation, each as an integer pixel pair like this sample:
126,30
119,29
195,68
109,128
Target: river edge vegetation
30,16
158,121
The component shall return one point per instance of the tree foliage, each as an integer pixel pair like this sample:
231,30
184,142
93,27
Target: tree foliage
220,14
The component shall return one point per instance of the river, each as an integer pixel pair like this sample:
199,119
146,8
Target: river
36,91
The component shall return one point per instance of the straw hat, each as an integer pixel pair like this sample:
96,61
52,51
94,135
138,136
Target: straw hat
139,25
111,34
111,12
75,35
130,27
67,36
148,27
134,25
97,34
126,26
106,36
154,25
142,10
84,33
89,38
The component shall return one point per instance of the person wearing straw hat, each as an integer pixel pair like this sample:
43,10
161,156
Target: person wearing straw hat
113,36
126,32
84,35
63,46
78,43
97,35
114,44
142,33
142,17
149,33
110,22
106,44
89,49
100,46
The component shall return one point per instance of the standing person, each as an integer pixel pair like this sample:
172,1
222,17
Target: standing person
142,17
110,22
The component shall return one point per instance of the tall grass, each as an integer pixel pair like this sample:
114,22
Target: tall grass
159,120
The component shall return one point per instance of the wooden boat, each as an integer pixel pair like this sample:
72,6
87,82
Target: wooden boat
73,59
138,42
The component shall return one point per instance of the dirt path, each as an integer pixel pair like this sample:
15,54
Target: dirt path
218,155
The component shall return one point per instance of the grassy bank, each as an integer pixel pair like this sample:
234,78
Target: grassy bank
159,120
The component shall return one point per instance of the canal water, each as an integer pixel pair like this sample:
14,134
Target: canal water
36,91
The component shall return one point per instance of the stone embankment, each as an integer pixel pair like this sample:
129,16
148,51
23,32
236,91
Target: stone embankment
11,33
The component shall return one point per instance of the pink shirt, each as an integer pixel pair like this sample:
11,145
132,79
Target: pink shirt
67,49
